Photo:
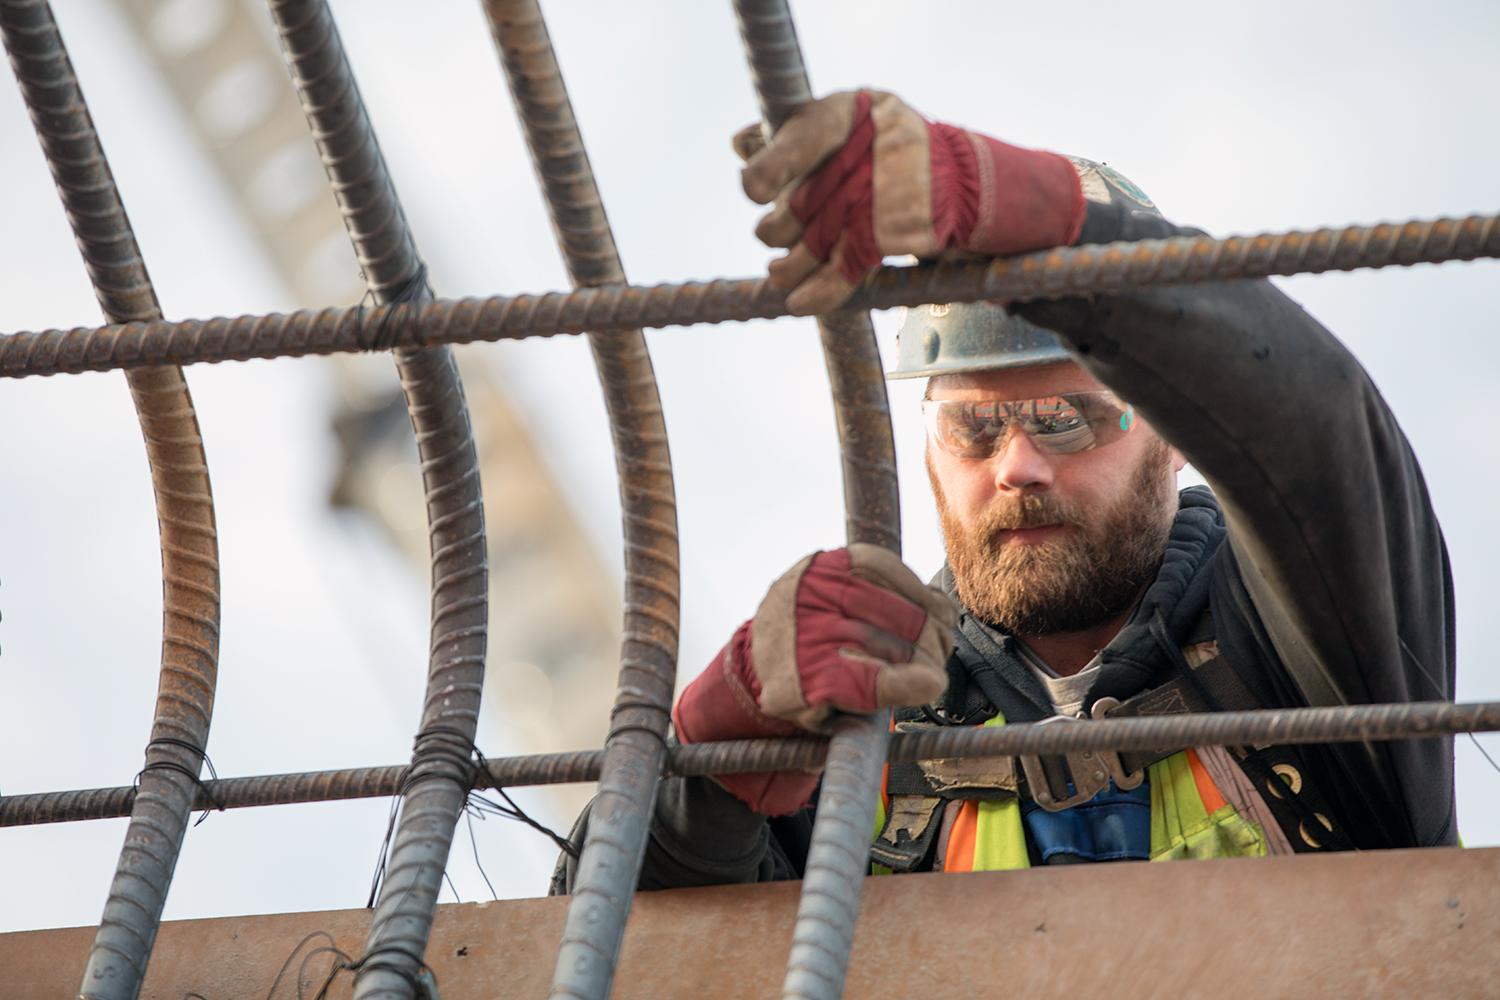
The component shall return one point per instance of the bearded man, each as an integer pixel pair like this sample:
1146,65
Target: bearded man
1079,581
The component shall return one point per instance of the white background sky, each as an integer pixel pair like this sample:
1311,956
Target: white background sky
1235,118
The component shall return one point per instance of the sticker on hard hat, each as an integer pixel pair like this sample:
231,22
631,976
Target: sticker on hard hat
1124,185
1094,188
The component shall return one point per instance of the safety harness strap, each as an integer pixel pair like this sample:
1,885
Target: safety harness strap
918,791
997,777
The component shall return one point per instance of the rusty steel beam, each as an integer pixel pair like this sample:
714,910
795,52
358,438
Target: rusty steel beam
1281,726
184,503
1057,273
436,787
838,857
1384,925
635,748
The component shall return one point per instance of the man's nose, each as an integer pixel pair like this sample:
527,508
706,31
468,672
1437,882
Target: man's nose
1021,465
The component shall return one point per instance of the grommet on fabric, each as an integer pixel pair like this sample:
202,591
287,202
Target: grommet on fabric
1307,836
1290,775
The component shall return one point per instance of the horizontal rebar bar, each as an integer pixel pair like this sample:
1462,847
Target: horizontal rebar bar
1055,273
1283,726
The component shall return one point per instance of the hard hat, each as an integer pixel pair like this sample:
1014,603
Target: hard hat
969,337
944,338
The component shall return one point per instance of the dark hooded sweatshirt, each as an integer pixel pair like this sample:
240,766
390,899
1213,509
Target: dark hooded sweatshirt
1317,554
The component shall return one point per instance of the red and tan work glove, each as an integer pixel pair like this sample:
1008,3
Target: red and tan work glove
859,175
851,630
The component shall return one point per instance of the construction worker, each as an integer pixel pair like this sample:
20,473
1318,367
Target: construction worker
1080,583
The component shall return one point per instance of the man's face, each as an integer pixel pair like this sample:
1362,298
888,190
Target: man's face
1042,543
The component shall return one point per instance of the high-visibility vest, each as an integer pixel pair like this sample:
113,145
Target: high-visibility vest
1189,819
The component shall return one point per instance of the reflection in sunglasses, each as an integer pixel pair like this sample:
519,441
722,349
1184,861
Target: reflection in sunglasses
1060,424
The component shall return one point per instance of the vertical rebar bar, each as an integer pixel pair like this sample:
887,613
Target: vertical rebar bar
184,504
838,858
437,785
635,748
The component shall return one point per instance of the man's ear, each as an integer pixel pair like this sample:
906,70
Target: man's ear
1178,461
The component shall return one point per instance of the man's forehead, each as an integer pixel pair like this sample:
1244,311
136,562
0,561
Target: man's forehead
1014,383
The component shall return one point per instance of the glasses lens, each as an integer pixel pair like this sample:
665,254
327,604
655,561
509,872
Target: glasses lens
1061,425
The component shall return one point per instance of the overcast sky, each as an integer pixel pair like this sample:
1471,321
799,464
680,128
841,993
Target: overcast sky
1235,118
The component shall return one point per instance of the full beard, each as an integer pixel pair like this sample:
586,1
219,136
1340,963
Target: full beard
1090,574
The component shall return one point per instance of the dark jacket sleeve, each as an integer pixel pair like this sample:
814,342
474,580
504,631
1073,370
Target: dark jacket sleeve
702,835
1334,545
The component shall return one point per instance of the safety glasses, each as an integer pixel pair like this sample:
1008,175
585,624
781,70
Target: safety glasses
1061,425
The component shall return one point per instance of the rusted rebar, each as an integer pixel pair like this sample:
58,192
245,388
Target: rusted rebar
837,858
1281,727
436,787
635,748
1057,273
184,505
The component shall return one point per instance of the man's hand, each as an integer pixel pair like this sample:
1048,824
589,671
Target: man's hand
851,630
858,176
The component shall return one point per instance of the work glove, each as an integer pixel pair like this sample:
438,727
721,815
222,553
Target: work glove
851,630
858,176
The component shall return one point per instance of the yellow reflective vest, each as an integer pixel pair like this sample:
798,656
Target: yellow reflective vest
1189,819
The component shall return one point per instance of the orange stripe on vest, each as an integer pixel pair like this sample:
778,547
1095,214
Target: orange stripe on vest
1213,801
962,838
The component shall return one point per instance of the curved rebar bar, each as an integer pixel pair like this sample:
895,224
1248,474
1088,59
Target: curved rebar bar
838,857
1280,726
636,746
1056,273
184,504
437,784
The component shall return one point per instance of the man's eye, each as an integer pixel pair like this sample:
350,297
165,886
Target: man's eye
976,431
970,430
1057,424
1053,417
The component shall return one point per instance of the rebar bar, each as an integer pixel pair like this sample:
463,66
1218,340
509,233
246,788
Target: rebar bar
837,858
1057,273
1281,727
184,504
436,787
635,749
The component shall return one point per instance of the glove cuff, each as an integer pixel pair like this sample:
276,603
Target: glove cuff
771,793
955,185
722,703
1028,199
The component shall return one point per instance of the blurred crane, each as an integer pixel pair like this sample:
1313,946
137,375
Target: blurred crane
554,618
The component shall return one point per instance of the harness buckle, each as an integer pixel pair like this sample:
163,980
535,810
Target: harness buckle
1060,781
1123,781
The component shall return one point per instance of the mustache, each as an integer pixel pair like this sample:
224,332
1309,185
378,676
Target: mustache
1029,510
